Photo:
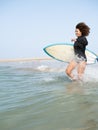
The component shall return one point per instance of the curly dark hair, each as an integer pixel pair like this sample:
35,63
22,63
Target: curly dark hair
84,29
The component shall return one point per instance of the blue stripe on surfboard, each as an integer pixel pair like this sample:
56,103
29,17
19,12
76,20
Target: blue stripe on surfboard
96,59
55,45
53,56
58,44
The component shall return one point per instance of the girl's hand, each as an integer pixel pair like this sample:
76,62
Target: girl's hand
73,40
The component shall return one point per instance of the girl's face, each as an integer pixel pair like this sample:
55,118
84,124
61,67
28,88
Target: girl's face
78,33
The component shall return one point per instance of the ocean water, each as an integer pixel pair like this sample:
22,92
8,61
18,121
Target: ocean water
38,95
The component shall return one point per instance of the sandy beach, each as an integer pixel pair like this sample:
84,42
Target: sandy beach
24,59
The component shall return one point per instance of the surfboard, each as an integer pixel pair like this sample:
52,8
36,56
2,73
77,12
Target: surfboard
64,52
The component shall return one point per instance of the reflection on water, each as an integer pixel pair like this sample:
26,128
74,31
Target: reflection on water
39,96
75,88
87,103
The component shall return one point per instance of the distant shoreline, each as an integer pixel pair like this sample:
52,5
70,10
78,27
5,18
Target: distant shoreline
24,59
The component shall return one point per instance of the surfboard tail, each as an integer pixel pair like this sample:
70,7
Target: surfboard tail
97,59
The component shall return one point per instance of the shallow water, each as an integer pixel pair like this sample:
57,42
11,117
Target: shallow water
39,96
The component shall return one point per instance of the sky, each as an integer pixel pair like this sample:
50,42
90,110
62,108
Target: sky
27,26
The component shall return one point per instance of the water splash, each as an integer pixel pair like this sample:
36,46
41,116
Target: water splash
91,73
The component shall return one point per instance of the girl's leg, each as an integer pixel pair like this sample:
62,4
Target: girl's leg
81,69
70,68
